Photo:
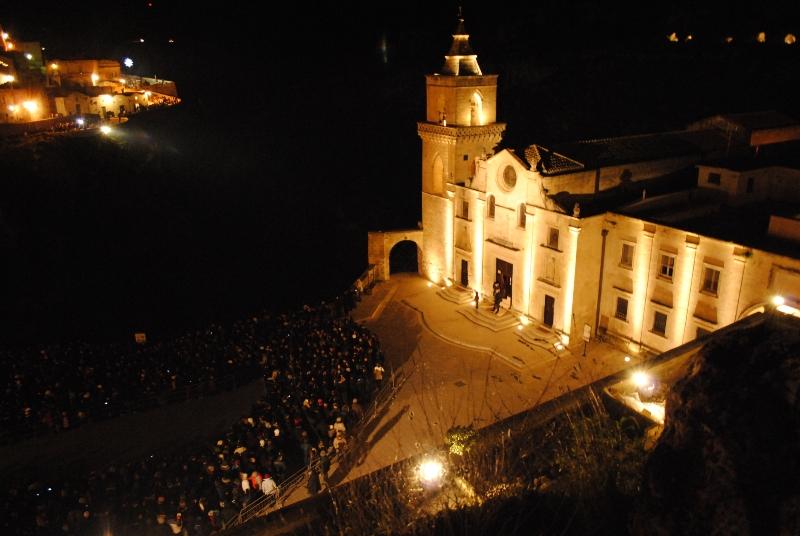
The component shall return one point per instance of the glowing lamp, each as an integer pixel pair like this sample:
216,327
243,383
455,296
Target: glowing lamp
430,472
105,129
127,62
31,106
5,35
79,121
627,359
6,78
28,56
790,39
761,37
777,301
640,378
95,78
54,66
13,107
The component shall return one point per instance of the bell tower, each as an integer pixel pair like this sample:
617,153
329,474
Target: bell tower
459,127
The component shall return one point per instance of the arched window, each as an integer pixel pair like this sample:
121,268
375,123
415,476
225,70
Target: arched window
491,206
476,109
522,215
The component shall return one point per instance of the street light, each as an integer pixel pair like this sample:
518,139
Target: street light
640,378
430,472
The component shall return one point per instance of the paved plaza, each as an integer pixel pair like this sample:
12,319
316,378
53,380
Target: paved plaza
452,367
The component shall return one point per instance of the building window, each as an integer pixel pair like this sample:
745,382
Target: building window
714,178
509,177
522,216
660,323
491,206
466,157
552,238
626,260
667,268
710,280
465,209
622,309
751,185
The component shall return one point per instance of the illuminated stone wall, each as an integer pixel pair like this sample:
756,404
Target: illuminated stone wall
770,183
381,243
748,278
437,238
16,105
452,98
79,72
589,181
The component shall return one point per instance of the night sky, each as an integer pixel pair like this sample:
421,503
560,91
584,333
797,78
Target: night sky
297,135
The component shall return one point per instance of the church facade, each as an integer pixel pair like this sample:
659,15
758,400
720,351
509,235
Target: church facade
581,236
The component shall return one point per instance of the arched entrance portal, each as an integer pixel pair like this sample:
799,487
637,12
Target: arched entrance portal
404,257
381,246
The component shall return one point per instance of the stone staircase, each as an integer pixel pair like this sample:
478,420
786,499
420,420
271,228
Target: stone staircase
457,295
483,316
537,335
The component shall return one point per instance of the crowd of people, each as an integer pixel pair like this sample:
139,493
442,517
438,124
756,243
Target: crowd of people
61,387
320,370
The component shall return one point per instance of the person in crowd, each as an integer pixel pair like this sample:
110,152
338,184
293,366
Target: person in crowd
377,373
313,485
268,485
314,360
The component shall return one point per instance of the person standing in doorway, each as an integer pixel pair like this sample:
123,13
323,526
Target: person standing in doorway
497,296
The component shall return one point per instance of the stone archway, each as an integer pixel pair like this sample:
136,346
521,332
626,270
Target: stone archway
381,244
404,257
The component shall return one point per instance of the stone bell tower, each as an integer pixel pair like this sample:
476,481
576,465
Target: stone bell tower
459,126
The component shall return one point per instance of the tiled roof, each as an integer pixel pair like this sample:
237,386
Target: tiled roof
548,162
642,148
760,120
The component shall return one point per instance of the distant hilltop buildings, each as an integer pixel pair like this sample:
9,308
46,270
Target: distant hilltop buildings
38,93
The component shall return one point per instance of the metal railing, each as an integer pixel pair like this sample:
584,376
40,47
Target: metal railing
367,279
266,503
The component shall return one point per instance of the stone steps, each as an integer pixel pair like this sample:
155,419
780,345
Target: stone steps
457,295
483,316
545,338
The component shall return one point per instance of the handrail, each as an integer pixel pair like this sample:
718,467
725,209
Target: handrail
261,505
